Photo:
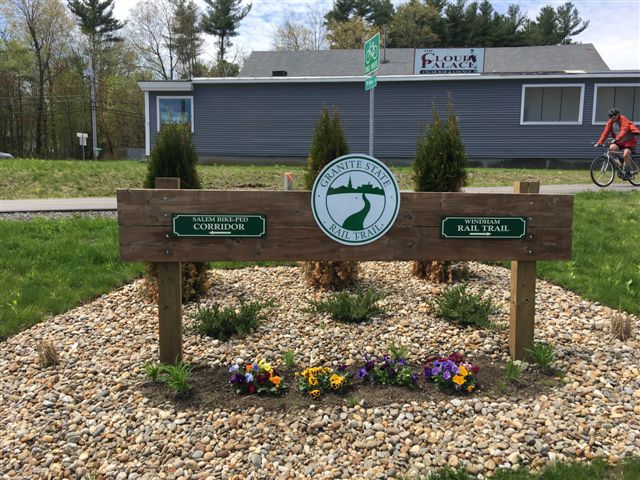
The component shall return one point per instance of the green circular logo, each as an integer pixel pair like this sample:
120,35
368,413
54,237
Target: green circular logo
355,199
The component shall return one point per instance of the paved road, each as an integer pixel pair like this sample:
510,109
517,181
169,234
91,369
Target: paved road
109,203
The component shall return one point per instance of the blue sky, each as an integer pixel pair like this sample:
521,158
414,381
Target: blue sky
614,26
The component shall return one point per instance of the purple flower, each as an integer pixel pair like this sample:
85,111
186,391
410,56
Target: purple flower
248,377
369,365
342,368
255,367
237,378
446,374
362,373
234,368
414,377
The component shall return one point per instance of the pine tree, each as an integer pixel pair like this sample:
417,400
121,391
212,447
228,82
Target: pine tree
221,19
188,40
174,155
439,166
328,143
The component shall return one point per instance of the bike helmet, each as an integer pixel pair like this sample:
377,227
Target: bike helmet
614,111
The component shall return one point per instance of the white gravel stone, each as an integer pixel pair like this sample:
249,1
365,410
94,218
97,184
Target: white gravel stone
89,417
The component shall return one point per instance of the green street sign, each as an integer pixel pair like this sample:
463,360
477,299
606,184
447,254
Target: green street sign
218,225
483,227
370,82
372,54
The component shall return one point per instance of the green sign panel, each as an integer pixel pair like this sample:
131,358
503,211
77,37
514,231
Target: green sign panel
483,227
219,225
370,82
372,54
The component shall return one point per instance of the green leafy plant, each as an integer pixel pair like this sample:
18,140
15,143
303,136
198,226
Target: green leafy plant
152,370
224,323
439,166
174,155
353,308
327,144
543,354
177,377
456,304
514,370
289,359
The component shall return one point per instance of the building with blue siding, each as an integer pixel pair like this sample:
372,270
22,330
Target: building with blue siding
531,106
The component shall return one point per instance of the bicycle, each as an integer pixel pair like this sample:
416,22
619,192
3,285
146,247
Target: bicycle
603,169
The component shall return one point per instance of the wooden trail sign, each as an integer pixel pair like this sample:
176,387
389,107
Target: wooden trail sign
145,219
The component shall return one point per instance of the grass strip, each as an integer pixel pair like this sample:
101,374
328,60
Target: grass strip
31,178
599,469
606,254
49,266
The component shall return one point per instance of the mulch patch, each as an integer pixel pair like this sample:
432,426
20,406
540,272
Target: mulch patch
211,389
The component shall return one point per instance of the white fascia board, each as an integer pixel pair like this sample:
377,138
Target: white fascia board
415,78
166,86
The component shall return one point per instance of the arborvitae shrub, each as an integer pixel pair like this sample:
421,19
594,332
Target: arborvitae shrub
439,166
174,155
328,143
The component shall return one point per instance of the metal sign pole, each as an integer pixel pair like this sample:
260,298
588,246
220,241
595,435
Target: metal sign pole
371,108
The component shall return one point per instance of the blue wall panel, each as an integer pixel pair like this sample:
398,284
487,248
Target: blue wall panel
277,119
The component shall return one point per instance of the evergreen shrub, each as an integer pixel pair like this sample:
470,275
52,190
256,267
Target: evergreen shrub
439,166
328,143
174,155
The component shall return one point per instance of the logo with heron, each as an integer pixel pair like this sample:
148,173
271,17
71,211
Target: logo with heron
355,199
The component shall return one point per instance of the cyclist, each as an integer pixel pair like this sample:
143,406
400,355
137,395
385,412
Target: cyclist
625,139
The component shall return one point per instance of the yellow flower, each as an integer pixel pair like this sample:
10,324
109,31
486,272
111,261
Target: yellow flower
264,365
275,381
314,393
313,381
463,371
458,379
470,388
336,380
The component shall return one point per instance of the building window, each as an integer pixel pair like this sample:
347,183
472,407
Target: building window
175,110
625,97
551,104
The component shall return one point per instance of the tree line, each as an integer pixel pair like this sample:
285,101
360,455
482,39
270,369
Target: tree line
50,49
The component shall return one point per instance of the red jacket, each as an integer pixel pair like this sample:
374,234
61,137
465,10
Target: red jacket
626,135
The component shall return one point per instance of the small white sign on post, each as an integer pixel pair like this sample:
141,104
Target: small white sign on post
82,138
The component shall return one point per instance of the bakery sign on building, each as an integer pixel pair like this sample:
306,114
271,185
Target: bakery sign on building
429,61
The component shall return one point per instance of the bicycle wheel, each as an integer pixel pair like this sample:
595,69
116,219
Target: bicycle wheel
602,172
635,169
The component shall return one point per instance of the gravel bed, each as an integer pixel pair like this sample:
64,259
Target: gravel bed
88,418
59,214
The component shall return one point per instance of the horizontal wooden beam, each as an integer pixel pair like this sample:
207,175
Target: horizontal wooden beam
292,234
154,207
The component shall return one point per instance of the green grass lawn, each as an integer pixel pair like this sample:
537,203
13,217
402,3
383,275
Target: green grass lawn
606,252
629,469
29,178
48,266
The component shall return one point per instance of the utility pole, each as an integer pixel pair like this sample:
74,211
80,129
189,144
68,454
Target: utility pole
90,74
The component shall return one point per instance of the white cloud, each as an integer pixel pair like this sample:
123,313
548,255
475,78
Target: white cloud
614,25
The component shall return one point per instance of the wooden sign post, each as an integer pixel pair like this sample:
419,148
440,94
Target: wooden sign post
522,227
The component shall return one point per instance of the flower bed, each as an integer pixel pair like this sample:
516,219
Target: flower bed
257,378
452,373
